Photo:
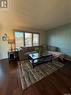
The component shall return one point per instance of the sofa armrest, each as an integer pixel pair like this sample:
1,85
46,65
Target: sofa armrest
22,55
53,48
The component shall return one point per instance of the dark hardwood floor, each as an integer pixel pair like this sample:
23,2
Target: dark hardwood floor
58,83
9,84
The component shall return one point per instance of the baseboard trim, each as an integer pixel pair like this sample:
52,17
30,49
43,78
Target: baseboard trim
4,59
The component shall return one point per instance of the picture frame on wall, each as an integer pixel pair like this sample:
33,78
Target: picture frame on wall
4,37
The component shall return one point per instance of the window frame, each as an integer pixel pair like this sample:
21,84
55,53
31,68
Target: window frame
24,37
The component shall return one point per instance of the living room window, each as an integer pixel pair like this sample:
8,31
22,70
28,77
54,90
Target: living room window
35,39
19,41
26,39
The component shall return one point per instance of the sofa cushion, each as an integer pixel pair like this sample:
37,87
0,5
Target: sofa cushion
30,49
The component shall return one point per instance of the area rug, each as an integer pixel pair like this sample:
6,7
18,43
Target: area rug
30,75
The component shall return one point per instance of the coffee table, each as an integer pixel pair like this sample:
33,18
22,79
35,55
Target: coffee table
38,58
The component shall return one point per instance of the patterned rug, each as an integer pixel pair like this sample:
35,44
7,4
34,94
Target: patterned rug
30,75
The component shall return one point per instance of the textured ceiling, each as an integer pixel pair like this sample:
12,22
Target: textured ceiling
41,14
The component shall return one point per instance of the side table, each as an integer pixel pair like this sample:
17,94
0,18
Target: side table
13,56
